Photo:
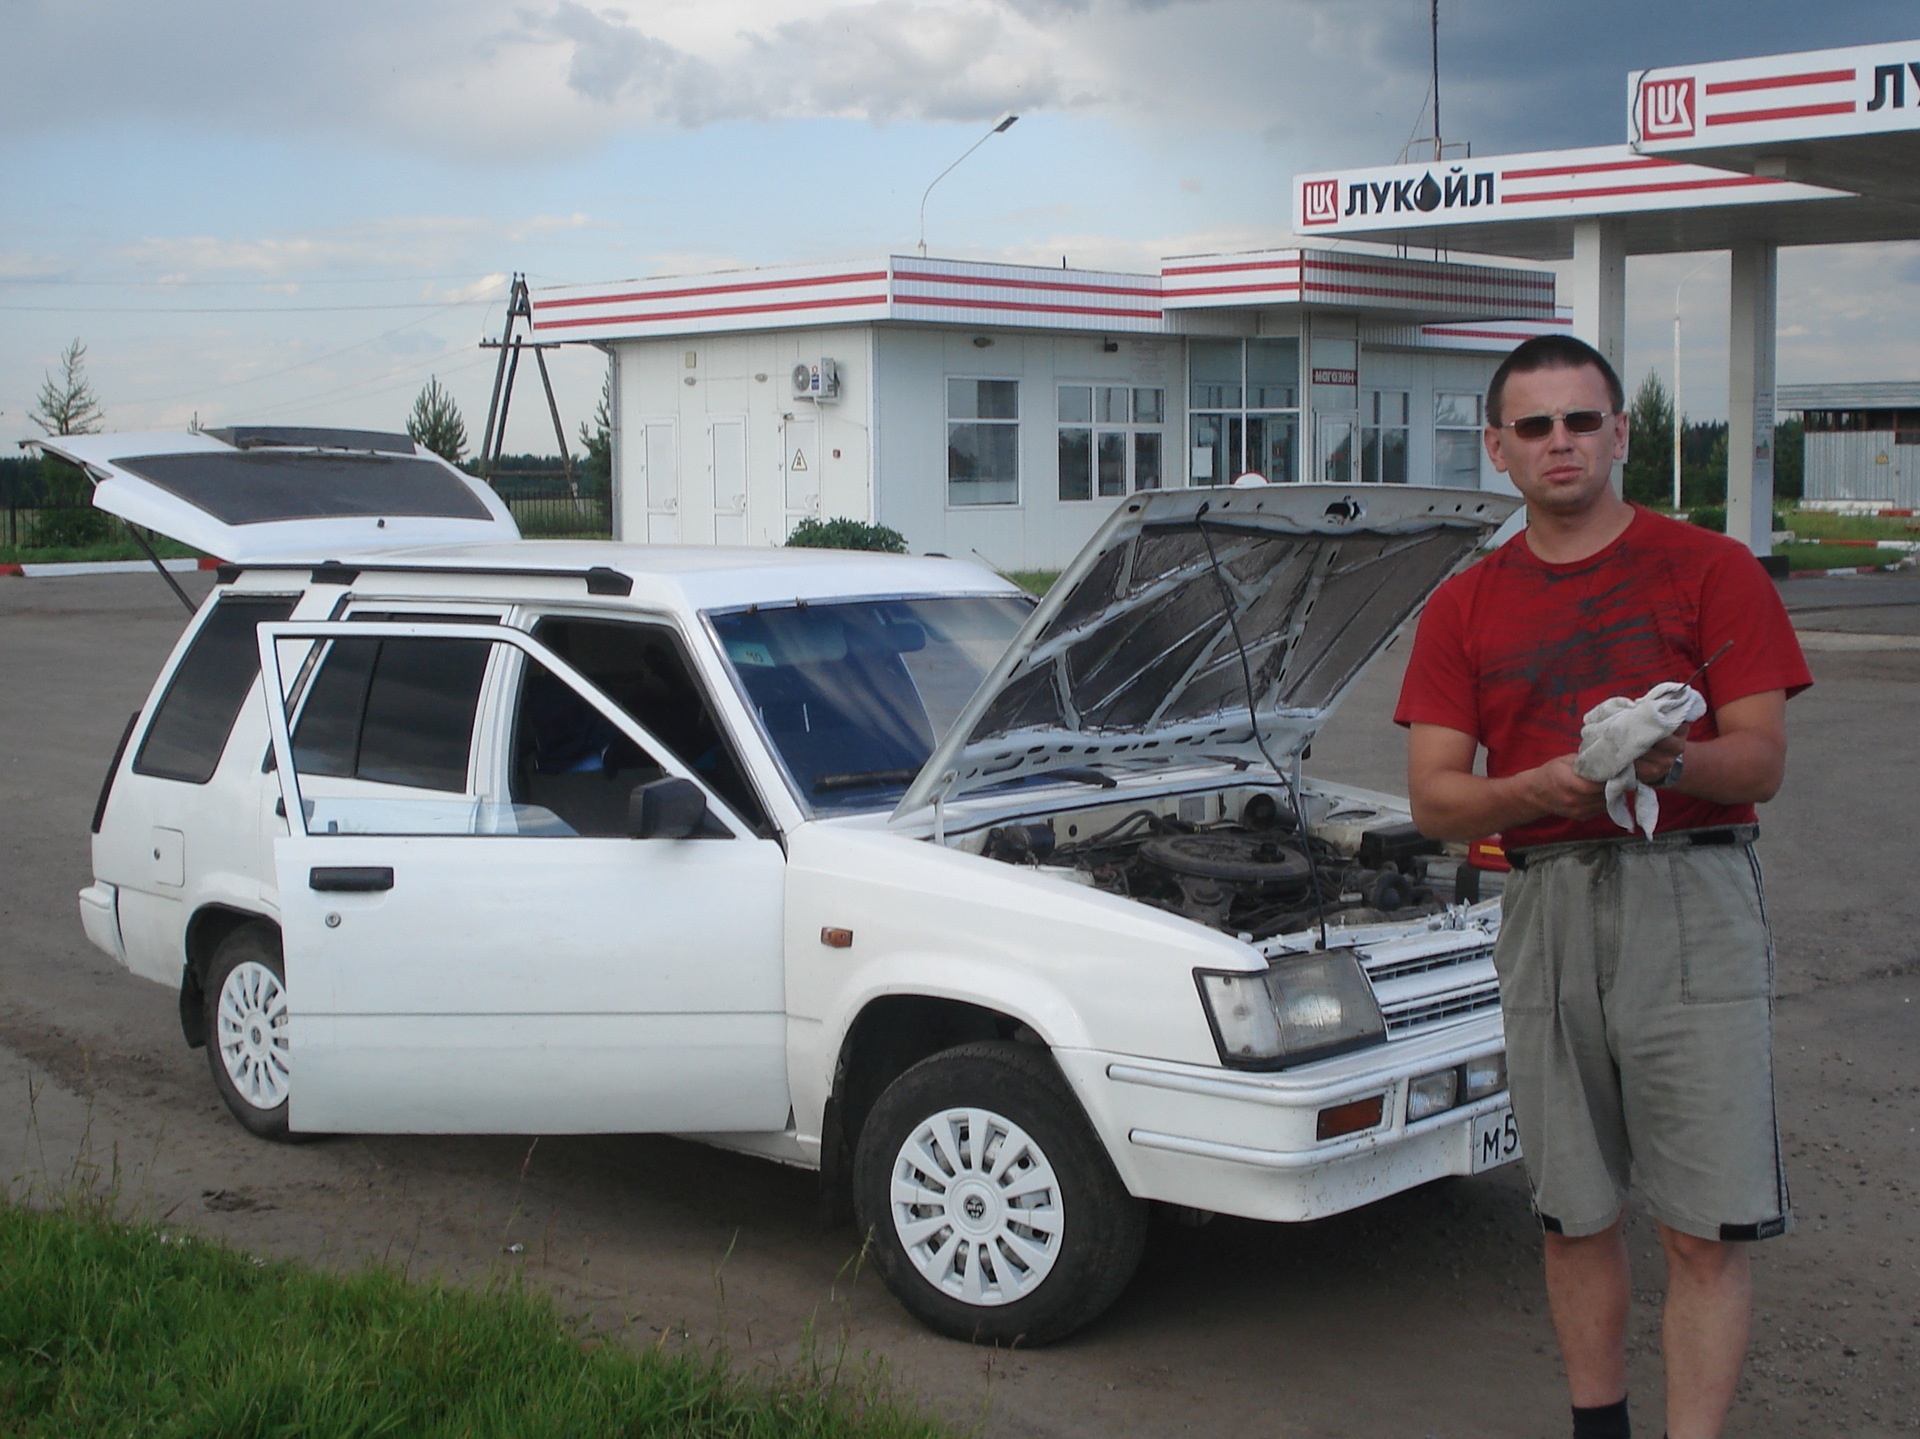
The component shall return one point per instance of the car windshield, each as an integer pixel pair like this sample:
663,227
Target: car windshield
853,696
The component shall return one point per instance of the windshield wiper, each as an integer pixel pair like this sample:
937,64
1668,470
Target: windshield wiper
864,779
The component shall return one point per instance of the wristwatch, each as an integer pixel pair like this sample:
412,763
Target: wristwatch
1671,779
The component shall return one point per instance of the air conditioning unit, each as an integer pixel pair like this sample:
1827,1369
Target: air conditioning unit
818,380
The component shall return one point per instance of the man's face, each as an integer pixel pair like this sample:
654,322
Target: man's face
1562,473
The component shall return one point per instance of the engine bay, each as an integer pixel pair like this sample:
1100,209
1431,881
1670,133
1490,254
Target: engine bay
1240,861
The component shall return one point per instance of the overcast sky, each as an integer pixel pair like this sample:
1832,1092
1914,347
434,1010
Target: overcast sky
271,211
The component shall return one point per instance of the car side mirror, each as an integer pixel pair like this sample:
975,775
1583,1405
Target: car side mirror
670,808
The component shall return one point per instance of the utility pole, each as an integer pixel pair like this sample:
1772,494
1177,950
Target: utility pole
510,344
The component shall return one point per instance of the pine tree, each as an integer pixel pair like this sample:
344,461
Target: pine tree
1648,477
436,423
68,406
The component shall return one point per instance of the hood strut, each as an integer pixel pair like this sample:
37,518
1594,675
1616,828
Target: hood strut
172,584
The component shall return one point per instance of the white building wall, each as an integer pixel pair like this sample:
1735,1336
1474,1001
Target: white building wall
1041,531
714,448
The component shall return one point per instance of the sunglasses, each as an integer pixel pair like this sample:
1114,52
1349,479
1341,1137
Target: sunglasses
1578,422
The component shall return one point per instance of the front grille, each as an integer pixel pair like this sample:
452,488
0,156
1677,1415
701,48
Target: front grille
1422,986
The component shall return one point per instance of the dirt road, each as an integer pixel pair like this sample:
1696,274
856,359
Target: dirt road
1421,1316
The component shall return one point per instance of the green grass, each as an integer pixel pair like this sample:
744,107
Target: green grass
122,549
125,1329
1834,557
1034,582
1819,525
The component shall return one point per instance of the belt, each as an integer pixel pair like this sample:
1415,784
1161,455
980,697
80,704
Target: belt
1728,834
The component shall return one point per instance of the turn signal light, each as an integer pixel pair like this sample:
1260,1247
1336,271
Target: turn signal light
1351,1118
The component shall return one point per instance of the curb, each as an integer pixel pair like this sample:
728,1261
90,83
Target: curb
1828,574
103,567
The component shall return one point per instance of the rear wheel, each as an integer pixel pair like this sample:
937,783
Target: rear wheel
246,1029
994,1211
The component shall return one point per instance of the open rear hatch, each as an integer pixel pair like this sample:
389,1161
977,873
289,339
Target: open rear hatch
256,494
1191,610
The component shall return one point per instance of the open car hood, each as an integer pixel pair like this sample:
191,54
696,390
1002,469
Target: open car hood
1132,661
268,493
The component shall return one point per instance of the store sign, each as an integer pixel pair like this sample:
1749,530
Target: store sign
1421,192
1336,377
1666,108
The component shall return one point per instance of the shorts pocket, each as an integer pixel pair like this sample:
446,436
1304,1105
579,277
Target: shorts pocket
1520,954
1726,953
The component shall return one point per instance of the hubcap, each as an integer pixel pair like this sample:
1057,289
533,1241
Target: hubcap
977,1206
252,1023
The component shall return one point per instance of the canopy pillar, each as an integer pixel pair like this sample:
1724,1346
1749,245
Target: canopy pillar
1750,394
1599,286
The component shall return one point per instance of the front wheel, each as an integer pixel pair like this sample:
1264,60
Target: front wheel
995,1213
246,1029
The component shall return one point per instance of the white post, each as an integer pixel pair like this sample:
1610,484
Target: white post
1599,285
1676,399
1750,394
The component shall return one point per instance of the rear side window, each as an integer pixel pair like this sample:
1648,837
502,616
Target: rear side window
196,714
396,711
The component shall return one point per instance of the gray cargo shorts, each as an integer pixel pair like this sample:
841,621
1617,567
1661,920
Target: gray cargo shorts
1636,980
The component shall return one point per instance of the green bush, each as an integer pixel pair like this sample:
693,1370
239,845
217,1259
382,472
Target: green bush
1714,517
846,535
68,527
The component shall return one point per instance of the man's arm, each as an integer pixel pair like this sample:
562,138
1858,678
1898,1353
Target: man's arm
1450,801
1744,765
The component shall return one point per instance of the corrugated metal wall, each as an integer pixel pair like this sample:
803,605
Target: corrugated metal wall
1863,465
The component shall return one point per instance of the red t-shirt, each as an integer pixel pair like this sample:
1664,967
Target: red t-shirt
1513,651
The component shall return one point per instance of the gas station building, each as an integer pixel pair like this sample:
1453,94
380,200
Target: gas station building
1002,410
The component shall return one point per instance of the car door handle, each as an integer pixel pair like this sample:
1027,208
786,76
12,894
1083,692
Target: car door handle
365,878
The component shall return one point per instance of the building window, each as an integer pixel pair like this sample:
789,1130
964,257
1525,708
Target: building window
1110,439
1244,406
1456,439
1383,437
983,442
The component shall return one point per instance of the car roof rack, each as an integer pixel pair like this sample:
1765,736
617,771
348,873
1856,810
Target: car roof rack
599,579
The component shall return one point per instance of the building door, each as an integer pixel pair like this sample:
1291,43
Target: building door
727,476
800,457
1333,447
660,481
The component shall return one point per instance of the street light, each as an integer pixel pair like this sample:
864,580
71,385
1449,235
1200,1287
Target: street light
1676,373
1001,126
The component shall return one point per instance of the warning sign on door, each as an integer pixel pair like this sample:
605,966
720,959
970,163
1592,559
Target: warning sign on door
799,460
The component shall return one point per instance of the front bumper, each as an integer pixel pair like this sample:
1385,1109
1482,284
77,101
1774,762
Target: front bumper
1243,1143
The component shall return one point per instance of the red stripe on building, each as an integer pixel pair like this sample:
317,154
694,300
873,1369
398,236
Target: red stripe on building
1789,112
1379,292
1261,288
728,311
1344,267
967,302
744,287
1781,82
1585,169
1248,267
1668,187
987,282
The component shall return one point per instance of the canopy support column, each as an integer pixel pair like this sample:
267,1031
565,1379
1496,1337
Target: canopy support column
1599,293
1750,394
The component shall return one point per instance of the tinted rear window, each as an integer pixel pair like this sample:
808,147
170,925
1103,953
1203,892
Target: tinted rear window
260,487
395,711
196,714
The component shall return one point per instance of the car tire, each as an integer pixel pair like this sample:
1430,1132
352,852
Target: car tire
246,1029
993,1211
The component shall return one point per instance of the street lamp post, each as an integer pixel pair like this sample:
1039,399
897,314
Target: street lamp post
1001,126
1676,374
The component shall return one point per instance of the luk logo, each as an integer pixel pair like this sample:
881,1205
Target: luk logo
1319,202
1666,109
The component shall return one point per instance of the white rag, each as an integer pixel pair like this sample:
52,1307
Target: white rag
1618,731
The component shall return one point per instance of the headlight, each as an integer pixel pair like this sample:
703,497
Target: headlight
1303,1006
1483,1076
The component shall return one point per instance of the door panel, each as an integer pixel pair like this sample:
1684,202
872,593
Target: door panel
727,473
506,973
660,475
800,456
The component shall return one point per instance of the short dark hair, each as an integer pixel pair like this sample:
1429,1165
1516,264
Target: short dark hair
1552,352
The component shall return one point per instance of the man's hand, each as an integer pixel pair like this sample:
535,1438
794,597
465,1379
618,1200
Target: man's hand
1559,789
1652,766
1450,801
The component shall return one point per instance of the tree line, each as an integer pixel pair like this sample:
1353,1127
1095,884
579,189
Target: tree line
1648,474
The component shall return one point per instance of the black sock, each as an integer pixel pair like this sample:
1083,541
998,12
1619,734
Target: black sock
1603,1421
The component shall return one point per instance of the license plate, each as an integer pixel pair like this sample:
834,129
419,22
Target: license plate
1496,1140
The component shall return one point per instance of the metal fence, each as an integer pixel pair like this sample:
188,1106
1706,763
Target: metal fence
561,516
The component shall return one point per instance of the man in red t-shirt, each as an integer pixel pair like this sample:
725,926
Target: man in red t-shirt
1636,974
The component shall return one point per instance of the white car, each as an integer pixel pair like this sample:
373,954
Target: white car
1006,918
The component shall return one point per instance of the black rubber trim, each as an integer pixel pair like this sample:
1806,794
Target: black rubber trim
106,785
599,579
350,878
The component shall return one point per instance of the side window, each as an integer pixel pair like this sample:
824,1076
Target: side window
393,711
196,714
643,669
1456,439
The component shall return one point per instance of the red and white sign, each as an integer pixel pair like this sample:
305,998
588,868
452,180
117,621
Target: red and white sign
1319,202
1666,107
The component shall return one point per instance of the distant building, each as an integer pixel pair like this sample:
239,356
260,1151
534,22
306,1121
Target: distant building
1003,410
1862,441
